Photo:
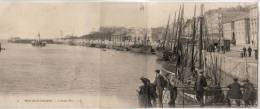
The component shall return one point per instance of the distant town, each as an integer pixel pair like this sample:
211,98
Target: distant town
236,24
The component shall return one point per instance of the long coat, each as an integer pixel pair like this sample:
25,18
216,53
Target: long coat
144,96
249,93
153,93
200,83
173,95
234,92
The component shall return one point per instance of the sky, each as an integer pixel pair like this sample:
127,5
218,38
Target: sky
54,20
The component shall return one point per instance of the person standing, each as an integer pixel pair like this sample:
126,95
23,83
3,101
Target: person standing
249,51
249,95
173,94
160,83
234,92
153,94
200,84
244,51
144,94
256,54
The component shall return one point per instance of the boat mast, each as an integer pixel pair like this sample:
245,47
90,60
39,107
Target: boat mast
193,40
180,32
173,30
179,47
176,32
39,37
145,38
165,36
200,38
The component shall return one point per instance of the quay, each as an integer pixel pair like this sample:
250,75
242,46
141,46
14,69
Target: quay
185,100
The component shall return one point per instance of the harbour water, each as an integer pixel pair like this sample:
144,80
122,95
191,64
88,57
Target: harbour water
89,73
81,76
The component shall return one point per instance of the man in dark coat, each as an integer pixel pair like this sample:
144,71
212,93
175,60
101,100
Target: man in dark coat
249,51
234,92
200,84
160,83
153,94
173,94
249,95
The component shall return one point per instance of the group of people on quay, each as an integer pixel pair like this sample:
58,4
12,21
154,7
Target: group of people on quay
249,94
248,52
150,94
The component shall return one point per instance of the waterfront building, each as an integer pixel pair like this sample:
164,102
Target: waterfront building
241,30
217,17
237,29
157,33
253,24
213,18
228,31
112,29
141,35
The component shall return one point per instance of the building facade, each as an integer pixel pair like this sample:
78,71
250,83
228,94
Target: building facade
215,20
241,31
157,33
253,16
227,30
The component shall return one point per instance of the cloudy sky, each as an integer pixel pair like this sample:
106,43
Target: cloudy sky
51,20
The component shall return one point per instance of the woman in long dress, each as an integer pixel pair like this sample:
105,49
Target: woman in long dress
144,99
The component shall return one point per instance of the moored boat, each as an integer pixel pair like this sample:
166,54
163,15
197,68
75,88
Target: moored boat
39,42
142,49
187,58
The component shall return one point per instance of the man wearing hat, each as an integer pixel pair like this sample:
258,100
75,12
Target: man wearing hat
234,92
200,84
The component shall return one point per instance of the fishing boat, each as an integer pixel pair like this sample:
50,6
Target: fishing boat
92,45
188,58
144,48
166,48
141,49
39,42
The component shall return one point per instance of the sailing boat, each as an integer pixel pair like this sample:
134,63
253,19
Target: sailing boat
39,42
144,47
161,49
186,73
167,48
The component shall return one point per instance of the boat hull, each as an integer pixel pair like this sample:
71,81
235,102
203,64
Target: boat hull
38,44
145,50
